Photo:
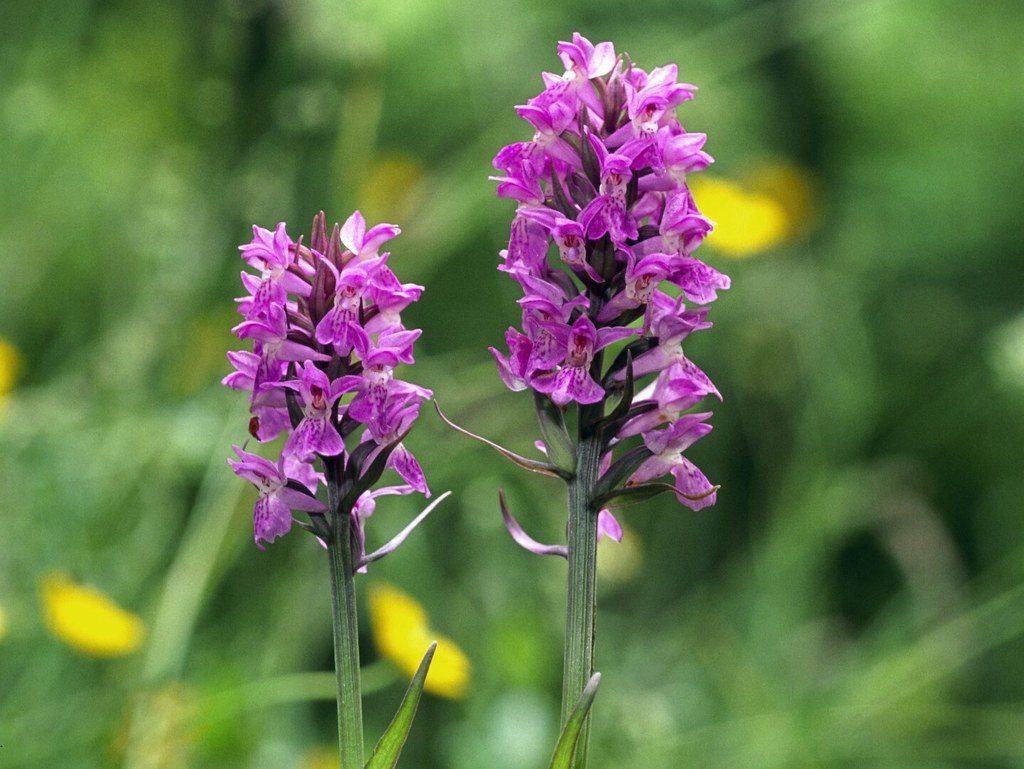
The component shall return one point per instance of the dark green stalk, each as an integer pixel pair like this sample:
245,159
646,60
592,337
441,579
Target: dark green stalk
581,539
346,633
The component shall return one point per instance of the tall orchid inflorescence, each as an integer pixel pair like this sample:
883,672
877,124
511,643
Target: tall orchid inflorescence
602,246
325,322
326,326
602,186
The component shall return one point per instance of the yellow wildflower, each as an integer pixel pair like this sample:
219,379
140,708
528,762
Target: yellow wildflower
10,366
792,187
769,208
87,620
745,222
3,623
402,635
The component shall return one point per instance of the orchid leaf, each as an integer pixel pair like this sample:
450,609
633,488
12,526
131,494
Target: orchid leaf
565,750
626,396
560,447
631,494
527,464
385,754
620,470
562,201
294,407
644,491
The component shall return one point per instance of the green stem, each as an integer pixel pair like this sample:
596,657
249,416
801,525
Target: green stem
346,636
580,606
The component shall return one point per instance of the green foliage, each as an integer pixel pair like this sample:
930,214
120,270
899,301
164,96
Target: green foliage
385,754
565,749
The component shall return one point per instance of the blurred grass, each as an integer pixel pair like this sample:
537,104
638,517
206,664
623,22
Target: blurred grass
854,599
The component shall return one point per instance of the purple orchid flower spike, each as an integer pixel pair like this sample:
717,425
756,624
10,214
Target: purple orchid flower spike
325,322
603,183
326,327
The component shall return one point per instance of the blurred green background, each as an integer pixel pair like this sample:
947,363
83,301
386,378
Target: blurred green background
856,597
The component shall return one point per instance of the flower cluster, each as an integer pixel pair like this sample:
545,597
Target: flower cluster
602,245
325,324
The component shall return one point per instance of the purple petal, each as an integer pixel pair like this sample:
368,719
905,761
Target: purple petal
401,536
692,487
271,518
404,463
353,231
523,539
608,526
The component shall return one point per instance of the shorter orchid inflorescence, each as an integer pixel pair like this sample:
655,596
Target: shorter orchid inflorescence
325,322
602,245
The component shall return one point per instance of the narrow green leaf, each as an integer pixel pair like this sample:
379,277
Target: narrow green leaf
561,449
294,409
361,477
566,747
626,395
620,470
385,754
643,491
632,494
